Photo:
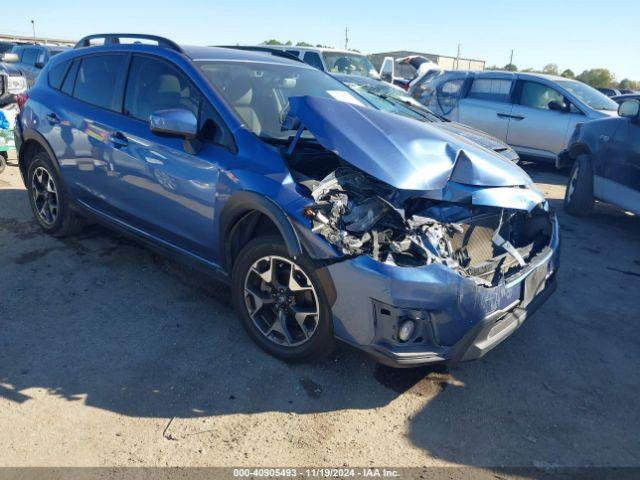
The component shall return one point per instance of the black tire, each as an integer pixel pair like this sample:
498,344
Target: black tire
578,198
65,222
319,343
3,161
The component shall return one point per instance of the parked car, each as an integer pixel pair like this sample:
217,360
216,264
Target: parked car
623,98
33,58
6,47
329,218
328,60
12,81
609,92
393,99
606,162
417,65
533,113
625,91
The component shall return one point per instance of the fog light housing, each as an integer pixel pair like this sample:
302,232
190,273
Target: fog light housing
406,330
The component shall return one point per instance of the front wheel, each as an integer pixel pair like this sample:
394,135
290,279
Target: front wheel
578,198
280,301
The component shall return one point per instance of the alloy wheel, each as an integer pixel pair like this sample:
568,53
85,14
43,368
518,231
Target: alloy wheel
281,301
45,195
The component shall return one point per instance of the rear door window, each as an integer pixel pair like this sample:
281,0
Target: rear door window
313,59
99,81
491,89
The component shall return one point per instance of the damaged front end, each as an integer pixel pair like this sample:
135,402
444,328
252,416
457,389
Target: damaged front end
428,228
359,215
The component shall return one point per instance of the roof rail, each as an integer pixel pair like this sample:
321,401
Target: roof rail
114,39
265,49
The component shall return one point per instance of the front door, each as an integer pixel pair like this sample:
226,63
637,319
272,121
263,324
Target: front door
156,186
535,129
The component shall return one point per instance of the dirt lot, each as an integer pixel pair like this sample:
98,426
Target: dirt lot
113,355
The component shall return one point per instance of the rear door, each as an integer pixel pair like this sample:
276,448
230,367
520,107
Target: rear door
534,129
83,123
487,105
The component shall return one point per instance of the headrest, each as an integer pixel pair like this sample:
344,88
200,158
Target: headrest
240,91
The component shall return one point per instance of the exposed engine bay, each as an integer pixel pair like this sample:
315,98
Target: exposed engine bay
360,215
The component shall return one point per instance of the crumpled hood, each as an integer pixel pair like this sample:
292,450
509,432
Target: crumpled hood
402,152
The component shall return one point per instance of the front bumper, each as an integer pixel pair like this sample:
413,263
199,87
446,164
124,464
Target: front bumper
455,318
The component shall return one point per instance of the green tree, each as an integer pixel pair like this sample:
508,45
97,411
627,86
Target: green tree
597,77
303,44
627,84
510,67
550,69
568,73
273,41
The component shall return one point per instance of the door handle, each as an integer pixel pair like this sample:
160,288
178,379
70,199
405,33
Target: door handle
118,140
604,138
506,115
53,119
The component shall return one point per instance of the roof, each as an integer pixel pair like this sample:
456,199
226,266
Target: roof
310,49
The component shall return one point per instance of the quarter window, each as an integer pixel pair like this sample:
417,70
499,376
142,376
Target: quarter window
537,95
70,78
56,74
492,89
155,85
99,81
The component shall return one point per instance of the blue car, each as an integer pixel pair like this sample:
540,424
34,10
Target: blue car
327,217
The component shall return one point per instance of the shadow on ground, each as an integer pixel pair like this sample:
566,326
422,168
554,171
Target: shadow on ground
101,320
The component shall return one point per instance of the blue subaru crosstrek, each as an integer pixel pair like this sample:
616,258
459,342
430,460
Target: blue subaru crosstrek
328,217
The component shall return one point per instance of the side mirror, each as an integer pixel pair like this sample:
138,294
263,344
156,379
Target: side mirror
176,122
629,109
10,58
557,106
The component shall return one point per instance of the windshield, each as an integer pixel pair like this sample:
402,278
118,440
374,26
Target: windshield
260,92
589,95
390,99
350,64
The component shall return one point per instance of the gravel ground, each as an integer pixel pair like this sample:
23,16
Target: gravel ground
111,355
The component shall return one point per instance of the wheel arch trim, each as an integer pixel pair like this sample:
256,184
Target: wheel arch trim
244,202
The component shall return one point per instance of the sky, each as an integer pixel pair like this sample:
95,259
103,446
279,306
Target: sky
570,33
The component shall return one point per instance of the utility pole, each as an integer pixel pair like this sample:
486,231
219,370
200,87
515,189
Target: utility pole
511,59
458,58
33,27
346,38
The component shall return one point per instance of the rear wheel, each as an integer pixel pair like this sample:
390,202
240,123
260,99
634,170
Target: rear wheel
48,200
578,199
3,161
280,301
